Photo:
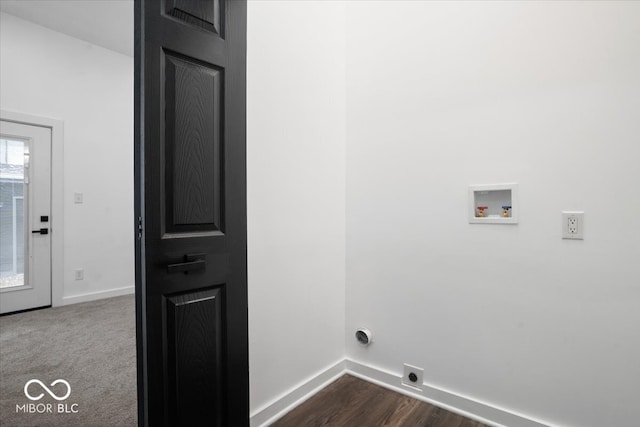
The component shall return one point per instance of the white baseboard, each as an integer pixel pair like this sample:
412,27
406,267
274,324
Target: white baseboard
465,406
92,296
270,412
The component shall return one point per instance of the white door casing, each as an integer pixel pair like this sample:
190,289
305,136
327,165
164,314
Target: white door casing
35,290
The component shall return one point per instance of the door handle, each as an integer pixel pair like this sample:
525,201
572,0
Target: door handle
192,263
41,231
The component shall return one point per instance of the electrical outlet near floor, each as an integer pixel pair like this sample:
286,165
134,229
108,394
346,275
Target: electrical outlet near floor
79,274
412,376
573,225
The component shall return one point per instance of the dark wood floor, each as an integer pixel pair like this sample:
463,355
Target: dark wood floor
351,402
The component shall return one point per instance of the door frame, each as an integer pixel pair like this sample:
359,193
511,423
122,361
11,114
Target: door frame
57,195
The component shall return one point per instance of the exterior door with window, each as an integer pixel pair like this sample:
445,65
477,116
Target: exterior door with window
25,209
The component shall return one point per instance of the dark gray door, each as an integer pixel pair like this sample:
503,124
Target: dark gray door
191,284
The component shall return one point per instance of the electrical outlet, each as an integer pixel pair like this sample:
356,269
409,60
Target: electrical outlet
573,225
79,274
78,198
412,376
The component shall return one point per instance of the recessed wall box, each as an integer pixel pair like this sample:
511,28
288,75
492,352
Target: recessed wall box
493,204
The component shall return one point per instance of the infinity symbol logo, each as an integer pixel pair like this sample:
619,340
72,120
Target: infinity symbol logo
45,388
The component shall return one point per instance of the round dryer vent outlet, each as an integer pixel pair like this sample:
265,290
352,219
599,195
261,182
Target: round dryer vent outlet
363,336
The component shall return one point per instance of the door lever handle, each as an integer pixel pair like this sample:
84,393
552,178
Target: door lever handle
192,263
41,231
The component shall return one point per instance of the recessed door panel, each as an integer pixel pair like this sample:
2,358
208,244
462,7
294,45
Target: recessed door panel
206,14
195,356
193,135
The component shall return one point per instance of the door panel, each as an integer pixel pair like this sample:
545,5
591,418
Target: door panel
195,332
25,206
205,14
191,291
193,95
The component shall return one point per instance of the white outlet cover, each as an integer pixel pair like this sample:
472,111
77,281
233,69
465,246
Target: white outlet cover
573,225
79,274
419,372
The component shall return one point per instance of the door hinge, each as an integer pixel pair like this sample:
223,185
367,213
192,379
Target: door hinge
139,228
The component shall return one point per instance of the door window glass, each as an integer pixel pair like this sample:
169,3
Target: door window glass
12,223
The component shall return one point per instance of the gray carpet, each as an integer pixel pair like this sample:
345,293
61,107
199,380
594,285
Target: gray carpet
90,345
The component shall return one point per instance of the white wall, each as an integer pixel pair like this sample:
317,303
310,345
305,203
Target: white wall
296,193
45,73
441,95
